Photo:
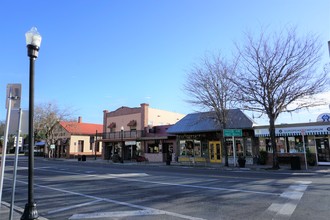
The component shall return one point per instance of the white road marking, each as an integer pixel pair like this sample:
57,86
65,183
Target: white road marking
208,187
123,177
117,202
291,198
90,171
75,206
279,209
116,214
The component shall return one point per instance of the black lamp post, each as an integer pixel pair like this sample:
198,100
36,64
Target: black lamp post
122,144
33,41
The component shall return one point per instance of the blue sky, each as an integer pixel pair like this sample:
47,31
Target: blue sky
101,55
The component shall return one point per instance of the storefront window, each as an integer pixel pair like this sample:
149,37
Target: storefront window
262,144
287,144
205,152
280,145
153,148
229,146
269,148
191,148
311,144
239,147
248,147
295,144
299,144
182,148
186,148
291,145
266,145
197,148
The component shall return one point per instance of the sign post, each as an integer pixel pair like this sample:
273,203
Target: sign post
13,97
11,213
233,133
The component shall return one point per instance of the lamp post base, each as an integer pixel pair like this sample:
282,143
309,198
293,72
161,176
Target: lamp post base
30,212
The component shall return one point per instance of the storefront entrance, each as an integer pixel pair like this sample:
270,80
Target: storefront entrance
215,152
323,151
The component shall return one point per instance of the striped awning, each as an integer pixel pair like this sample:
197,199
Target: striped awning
294,131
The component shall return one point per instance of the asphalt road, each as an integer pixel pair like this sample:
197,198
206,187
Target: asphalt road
84,190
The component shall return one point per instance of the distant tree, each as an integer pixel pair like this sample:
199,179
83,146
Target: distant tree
208,87
2,132
10,137
2,128
278,73
46,116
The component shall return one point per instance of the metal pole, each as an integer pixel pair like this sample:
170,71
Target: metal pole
95,143
234,149
4,148
303,137
122,146
15,165
30,211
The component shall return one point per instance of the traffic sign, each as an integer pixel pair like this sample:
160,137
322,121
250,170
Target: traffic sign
232,132
14,93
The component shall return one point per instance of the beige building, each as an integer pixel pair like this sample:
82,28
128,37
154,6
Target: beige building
130,132
74,139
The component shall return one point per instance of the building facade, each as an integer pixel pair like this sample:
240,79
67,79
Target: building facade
131,132
296,139
74,139
199,138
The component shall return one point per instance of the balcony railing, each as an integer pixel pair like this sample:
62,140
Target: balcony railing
130,135
123,135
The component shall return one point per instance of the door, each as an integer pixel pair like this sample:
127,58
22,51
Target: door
215,152
323,151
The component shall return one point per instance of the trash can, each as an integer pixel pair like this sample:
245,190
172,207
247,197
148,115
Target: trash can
83,158
168,159
295,163
79,158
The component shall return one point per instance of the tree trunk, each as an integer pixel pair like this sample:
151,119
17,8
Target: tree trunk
225,150
273,142
223,141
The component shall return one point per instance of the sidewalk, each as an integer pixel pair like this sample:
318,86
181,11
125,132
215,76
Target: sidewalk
5,211
17,212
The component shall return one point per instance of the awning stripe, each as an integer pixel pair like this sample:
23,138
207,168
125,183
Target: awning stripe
293,134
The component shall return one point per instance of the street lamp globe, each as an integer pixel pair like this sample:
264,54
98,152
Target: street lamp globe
33,42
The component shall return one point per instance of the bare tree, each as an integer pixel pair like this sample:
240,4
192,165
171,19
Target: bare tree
46,116
208,87
279,73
